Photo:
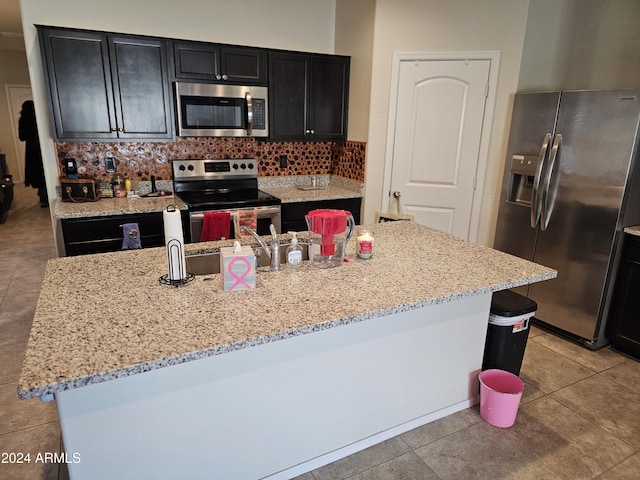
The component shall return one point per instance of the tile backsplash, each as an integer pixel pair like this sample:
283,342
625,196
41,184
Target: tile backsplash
140,160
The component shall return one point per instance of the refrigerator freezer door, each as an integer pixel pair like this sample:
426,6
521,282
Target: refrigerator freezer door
532,123
598,130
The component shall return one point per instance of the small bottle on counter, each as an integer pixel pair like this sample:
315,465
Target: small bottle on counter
364,244
127,187
117,182
294,253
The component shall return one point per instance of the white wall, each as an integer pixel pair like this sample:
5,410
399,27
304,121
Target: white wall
587,44
354,37
439,26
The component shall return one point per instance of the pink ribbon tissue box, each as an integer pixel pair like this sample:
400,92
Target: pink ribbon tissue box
238,267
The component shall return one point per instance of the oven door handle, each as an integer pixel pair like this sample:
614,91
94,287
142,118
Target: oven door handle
267,211
247,97
262,212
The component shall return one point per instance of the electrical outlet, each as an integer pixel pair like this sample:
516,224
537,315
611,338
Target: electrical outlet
109,164
283,161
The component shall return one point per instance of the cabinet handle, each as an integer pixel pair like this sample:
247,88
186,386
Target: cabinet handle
309,132
121,129
224,77
218,76
113,129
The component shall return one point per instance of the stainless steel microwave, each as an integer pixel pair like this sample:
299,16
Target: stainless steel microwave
212,110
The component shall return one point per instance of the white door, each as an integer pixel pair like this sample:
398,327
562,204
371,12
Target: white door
438,131
16,96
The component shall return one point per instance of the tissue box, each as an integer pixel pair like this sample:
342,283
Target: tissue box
238,267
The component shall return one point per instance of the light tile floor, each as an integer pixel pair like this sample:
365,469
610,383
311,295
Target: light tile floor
579,417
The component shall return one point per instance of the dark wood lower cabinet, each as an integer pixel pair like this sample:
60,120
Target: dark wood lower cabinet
293,213
624,323
104,234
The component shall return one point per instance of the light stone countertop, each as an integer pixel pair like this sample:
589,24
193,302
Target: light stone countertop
101,317
332,188
294,195
634,230
282,187
115,206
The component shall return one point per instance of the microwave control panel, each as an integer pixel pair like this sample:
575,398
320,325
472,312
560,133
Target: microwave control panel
259,114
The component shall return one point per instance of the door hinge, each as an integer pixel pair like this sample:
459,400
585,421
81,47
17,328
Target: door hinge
486,90
475,182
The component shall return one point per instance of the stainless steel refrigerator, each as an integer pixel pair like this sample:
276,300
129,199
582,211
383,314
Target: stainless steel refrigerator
570,187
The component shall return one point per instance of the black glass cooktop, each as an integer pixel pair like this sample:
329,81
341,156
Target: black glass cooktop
216,200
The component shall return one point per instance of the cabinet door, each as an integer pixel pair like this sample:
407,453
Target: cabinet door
244,66
80,94
210,62
308,97
293,213
624,322
196,61
288,79
141,88
328,99
104,234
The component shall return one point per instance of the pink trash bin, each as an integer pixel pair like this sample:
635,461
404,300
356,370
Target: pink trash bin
500,394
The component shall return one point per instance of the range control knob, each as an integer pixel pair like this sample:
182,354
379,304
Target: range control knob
250,166
191,168
235,166
182,168
243,166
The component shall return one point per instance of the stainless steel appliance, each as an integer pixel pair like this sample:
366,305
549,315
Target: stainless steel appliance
223,185
570,187
211,110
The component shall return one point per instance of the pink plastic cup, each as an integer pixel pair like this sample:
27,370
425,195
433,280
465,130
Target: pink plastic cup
500,394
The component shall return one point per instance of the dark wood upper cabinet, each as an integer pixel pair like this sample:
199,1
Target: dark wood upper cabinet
308,96
198,61
107,86
104,86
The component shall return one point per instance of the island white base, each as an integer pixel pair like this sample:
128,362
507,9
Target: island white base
280,409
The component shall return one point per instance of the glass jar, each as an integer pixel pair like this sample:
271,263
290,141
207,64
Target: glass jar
364,244
117,182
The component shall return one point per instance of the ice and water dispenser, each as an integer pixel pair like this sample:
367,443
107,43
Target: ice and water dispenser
522,174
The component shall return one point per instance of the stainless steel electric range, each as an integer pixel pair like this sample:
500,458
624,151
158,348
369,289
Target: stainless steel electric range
223,185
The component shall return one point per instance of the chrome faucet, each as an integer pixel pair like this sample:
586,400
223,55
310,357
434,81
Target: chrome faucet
273,252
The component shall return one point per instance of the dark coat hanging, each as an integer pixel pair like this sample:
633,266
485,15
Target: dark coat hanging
28,133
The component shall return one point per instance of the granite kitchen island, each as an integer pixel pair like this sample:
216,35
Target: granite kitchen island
153,381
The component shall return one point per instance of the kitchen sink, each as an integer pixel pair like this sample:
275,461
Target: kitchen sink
209,263
203,264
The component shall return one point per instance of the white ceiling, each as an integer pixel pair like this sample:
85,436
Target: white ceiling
10,26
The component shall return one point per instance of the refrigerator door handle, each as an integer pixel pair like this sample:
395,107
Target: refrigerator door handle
550,185
536,200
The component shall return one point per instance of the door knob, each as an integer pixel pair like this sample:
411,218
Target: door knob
397,194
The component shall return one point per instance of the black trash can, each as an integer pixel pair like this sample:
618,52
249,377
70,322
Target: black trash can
508,331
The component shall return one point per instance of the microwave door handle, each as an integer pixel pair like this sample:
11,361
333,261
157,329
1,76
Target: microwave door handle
247,97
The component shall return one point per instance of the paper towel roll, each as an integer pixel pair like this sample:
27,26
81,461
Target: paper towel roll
174,242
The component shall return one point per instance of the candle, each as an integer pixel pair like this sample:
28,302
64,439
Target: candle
364,245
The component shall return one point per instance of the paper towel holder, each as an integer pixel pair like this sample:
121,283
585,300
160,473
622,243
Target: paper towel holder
186,277
175,250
